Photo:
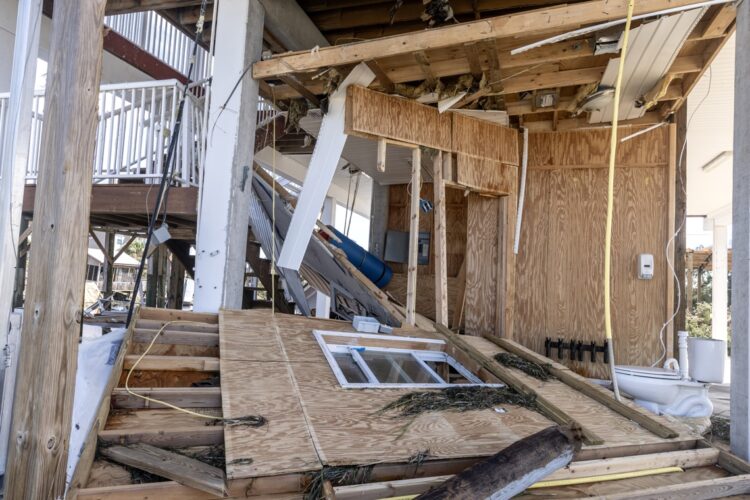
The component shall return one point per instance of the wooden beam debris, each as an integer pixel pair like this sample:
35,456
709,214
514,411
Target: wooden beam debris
509,472
171,465
411,278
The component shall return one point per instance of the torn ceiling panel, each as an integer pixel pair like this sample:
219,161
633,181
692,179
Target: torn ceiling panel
652,49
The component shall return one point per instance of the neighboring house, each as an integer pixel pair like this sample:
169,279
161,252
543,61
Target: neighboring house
125,268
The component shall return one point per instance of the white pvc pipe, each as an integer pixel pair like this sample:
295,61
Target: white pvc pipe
522,194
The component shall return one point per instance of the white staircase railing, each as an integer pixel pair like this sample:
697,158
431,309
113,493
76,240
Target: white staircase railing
162,39
135,125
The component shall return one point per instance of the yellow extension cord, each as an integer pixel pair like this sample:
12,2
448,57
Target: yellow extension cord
610,201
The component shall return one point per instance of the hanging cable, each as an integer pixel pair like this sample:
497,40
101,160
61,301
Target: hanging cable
169,164
610,202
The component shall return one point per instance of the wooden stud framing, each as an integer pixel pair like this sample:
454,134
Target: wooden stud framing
440,241
411,283
42,410
671,209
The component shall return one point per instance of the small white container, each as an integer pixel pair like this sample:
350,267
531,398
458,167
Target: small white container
365,324
706,359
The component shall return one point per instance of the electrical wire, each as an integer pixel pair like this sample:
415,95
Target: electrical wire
610,201
670,243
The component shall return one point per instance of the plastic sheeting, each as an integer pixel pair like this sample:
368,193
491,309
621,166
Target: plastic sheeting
96,358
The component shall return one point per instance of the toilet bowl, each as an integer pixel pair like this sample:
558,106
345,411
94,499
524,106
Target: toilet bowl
681,392
663,391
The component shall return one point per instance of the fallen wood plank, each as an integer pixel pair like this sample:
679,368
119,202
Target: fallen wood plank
173,363
173,437
184,470
387,489
194,397
593,391
169,336
152,313
512,470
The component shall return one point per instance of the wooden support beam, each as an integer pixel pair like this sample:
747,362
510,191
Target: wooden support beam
176,283
424,63
458,308
43,404
99,244
169,436
411,278
127,6
381,75
301,89
680,220
512,470
440,241
176,337
472,57
689,282
171,465
593,391
193,397
557,18
173,363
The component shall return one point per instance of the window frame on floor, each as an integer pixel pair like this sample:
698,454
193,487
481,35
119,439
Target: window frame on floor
420,356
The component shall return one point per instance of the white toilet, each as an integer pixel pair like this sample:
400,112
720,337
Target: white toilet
679,392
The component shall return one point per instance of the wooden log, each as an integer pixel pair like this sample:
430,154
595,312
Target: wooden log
42,409
184,470
512,470
593,391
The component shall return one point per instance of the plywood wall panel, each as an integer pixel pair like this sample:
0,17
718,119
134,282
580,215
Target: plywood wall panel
484,175
426,293
481,265
559,267
484,139
590,148
374,114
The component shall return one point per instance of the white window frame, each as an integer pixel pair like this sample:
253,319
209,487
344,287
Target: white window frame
421,356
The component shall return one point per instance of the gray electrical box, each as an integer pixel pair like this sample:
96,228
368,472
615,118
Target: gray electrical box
397,247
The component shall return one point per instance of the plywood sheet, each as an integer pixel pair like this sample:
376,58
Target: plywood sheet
590,148
485,175
481,265
560,263
484,139
425,293
374,114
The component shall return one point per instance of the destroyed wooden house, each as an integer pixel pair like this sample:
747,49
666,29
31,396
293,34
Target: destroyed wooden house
500,160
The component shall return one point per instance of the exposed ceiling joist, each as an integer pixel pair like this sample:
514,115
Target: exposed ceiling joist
522,24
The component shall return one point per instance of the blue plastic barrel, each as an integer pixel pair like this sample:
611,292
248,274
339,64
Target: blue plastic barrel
375,269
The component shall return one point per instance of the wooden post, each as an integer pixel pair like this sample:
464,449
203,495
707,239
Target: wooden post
699,290
671,339
23,256
221,240
506,261
740,387
441,252
680,242
109,262
162,260
45,383
151,273
176,284
411,277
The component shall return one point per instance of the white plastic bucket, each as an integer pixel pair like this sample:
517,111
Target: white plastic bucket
706,359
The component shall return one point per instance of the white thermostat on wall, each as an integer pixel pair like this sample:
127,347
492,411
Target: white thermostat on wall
645,266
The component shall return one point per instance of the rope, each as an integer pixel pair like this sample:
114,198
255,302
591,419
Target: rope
251,420
610,202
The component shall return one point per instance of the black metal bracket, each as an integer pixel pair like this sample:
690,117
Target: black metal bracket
576,349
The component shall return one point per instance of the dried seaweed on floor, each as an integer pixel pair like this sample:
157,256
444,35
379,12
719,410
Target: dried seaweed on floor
458,399
212,455
720,428
537,371
338,476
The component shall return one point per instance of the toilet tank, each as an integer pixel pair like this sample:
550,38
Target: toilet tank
706,359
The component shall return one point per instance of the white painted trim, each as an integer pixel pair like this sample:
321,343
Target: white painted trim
378,336
325,158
